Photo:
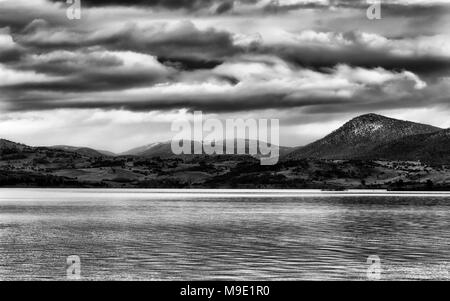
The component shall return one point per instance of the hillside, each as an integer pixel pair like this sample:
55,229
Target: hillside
9,146
85,151
360,136
431,148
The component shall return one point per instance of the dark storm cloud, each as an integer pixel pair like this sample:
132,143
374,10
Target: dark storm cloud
191,5
225,7
424,16
372,99
275,7
432,11
389,103
220,104
82,68
69,65
405,8
170,4
322,57
10,52
399,8
93,81
18,16
189,48
91,71
188,63
182,43
420,14
9,56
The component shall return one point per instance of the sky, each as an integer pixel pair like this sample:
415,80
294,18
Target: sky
117,78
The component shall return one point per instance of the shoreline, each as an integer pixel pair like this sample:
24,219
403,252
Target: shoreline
221,193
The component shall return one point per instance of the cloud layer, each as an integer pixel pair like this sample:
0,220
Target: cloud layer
246,57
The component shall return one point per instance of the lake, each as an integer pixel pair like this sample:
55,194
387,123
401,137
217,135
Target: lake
223,234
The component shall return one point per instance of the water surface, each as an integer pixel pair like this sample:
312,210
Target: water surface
214,235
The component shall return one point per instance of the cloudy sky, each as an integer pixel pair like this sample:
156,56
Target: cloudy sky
117,78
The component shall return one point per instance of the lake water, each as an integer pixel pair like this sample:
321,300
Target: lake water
222,235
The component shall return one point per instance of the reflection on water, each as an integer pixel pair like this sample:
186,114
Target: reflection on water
123,235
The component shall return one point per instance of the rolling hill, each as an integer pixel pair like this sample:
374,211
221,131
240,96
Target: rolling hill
6,146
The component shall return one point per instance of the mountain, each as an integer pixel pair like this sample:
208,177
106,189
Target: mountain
360,136
164,149
431,148
158,149
85,151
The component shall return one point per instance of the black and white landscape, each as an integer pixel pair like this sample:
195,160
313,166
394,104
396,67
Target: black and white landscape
91,189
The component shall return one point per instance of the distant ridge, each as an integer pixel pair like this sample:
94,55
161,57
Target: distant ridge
164,149
359,137
85,151
152,150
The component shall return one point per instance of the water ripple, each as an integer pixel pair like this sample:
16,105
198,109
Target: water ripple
122,237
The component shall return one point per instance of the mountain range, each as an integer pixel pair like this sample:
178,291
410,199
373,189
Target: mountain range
366,137
164,149
369,151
